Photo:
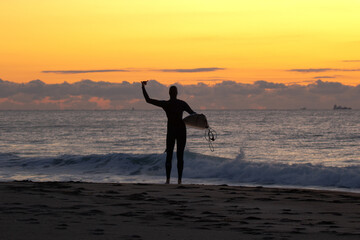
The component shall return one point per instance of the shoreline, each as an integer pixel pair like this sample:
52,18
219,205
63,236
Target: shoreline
191,181
83,210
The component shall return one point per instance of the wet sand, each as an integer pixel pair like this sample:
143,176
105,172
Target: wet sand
73,210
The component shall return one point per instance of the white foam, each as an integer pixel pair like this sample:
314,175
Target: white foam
139,167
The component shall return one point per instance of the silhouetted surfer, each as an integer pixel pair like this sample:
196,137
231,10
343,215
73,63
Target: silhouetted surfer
176,129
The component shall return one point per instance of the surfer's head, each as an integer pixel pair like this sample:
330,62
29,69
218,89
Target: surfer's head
173,92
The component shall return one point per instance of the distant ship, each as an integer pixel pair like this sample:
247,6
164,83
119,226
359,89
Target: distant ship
340,107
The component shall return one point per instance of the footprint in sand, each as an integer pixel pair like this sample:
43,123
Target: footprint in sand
98,231
62,226
29,220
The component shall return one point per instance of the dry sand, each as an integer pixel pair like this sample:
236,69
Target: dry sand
71,210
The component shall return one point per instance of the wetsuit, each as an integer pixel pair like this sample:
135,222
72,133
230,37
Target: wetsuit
176,130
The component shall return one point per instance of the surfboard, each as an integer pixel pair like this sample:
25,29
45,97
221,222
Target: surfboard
196,121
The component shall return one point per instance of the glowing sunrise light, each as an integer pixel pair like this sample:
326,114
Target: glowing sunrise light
249,40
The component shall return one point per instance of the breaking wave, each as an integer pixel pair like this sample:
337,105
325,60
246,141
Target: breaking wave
132,167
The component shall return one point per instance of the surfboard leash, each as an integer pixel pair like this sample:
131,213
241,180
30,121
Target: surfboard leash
210,136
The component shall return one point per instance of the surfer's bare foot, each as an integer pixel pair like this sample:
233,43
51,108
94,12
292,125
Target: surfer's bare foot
167,181
179,181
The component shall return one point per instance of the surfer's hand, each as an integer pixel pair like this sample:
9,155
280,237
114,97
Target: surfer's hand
143,83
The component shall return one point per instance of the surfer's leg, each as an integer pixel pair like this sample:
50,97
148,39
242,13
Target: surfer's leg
170,143
180,147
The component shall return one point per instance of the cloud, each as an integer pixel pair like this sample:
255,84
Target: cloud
88,94
351,61
317,77
192,70
269,85
179,70
316,70
348,70
308,70
85,71
327,88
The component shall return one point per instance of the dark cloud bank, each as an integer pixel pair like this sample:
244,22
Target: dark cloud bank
88,94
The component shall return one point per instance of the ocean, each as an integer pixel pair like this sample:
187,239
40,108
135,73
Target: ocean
277,148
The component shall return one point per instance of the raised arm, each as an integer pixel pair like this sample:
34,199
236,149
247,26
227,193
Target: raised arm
148,99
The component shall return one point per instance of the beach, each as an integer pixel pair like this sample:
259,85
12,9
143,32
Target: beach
80,210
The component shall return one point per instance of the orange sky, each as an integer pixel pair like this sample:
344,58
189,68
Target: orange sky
171,41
